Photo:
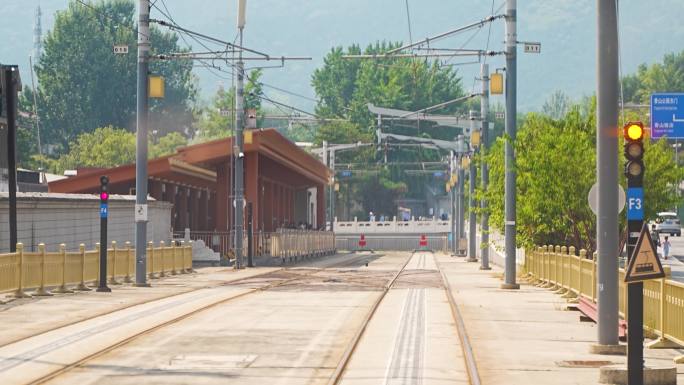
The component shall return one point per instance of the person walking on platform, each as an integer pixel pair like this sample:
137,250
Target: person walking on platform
666,247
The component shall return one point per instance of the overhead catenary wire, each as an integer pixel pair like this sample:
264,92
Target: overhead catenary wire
115,22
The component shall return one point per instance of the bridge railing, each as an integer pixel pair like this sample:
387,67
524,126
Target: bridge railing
393,227
22,270
559,268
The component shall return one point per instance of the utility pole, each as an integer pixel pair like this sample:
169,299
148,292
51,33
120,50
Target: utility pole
510,175
452,195
472,177
141,142
459,194
332,190
607,171
484,150
238,144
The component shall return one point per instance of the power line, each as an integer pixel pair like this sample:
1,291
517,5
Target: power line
111,19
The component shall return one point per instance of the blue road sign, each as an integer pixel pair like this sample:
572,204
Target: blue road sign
635,203
104,211
438,174
346,173
667,115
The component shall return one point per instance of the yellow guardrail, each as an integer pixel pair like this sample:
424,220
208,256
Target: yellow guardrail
559,268
286,243
23,270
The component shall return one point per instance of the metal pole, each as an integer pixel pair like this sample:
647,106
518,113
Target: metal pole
250,235
510,189
472,178
452,195
141,142
11,76
461,203
332,190
239,160
484,139
607,172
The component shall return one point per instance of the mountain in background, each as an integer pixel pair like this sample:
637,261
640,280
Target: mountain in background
566,29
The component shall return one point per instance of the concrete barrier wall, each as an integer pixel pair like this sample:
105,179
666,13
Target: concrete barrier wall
75,218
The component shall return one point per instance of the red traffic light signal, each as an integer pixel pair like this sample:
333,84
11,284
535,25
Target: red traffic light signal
104,191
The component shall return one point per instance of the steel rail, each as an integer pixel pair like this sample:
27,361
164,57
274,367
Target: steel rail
466,347
351,348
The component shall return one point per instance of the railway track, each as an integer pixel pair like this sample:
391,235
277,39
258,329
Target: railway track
468,356
39,351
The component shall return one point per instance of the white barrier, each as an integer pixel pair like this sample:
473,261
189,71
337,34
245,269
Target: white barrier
393,227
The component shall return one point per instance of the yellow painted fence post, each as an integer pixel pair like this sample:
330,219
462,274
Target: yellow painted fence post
41,290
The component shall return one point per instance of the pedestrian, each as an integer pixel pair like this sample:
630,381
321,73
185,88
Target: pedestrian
655,235
666,247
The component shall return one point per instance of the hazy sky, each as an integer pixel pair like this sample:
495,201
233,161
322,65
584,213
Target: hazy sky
566,29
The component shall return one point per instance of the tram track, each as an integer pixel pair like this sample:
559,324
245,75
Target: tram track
353,260
184,298
466,347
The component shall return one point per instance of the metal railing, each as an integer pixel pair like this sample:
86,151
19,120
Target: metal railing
22,270
575,276
219,241
288,243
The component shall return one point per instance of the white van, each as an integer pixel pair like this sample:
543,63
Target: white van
668,223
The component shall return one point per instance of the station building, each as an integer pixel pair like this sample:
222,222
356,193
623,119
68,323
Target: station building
284,183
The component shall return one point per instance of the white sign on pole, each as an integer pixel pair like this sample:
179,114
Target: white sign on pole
532,47
120,49
499,115
141,212
593,198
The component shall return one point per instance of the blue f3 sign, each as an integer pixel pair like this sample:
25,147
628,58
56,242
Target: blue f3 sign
635,203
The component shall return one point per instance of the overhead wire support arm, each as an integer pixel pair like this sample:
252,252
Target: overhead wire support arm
190,56
421,55
427,40
207,37
440,105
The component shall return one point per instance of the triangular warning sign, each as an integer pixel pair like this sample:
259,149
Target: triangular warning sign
644,263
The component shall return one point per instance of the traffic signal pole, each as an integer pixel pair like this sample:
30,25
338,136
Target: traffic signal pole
607,172
10,88
141,142
634,171
510,174
104,213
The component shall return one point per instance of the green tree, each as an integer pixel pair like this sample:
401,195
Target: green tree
167,145
104,147
556,167
667,76
345,87
218,120
83,85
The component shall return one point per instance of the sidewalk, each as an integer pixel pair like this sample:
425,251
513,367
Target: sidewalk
523,336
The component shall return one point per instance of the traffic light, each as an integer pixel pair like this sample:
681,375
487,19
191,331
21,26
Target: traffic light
634,153
104,191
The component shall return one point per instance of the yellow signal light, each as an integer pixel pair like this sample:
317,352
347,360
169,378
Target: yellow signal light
634,131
